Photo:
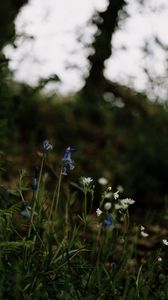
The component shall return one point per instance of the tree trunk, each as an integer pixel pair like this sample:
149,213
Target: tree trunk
108,21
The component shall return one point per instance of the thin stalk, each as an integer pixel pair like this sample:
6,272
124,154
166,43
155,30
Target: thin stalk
137,280
21,195
92,198
40,175
85,203
66,221
32,213
53,200
58,191
102,201
36,195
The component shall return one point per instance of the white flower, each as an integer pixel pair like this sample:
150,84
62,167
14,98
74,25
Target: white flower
120,188
159,258
124,203
144,234
116,195
98,212
102,181
142,228
86,180
109,189
127,201
107,206
165,242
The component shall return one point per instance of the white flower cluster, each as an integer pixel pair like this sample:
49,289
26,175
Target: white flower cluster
86,180
143,233
102,181
165,242
124,203
98,212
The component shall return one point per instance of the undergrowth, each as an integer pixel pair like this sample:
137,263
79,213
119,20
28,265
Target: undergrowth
56,244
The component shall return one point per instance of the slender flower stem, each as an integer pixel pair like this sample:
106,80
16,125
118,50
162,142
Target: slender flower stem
137,279
102,201
53,200
32,214
36,196
40,175
66,221
56,195
58,191
85,203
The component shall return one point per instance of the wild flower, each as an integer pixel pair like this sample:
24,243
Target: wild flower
116,195
35,184
124,203
68,163
98,212
86,181
159,259
127,201
165,242
35,180
144,234
47,146
107,223
25,210
120,188
107,206
102,181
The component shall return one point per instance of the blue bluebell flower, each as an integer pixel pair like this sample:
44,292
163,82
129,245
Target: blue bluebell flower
107,223
47,146
68,163
35,179
25,210
35,184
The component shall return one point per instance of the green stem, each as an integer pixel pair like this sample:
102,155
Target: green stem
40,175
58,191
137,280
32,214
36,195
85,203
53,200
56,194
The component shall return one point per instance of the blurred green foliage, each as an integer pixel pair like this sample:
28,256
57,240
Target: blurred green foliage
126,144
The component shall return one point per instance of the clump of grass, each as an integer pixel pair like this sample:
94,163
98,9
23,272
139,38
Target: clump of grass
47,251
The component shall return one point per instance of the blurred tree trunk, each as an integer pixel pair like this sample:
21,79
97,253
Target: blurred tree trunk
106,26
8,12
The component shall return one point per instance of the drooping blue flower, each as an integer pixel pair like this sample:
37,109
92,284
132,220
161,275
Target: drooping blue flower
68,163
35,184
35,179
47,146
107,223
25,210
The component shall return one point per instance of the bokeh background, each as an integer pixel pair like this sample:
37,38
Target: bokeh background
93,75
